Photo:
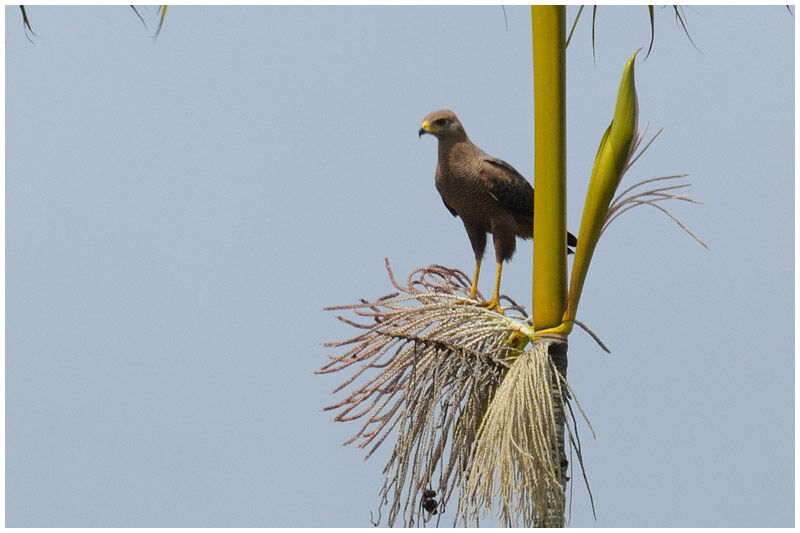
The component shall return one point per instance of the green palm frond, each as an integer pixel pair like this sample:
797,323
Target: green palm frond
139,15
163,10
652,30
26,23
680,17
574,23
594,20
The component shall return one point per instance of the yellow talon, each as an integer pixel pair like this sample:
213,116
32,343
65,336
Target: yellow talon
493,305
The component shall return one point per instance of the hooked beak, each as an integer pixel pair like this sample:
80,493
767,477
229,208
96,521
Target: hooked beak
426,128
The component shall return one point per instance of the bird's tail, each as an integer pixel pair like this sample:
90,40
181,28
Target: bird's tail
572,241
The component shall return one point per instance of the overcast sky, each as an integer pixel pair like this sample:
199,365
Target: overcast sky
179,211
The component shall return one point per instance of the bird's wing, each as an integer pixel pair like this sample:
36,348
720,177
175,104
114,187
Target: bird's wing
452,211
511,190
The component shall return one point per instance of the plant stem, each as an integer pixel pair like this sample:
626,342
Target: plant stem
548,24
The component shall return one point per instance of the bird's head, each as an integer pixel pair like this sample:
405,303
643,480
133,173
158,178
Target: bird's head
443,124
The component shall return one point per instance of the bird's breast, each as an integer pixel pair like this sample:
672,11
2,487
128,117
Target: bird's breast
462,189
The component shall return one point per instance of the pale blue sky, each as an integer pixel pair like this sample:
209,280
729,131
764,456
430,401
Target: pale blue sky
178,213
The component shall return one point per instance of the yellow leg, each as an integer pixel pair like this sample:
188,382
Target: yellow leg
494,303
474,288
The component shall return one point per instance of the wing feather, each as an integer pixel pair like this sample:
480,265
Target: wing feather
452,211
441,193
511,190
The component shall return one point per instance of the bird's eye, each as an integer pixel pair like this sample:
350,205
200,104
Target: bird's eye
440,121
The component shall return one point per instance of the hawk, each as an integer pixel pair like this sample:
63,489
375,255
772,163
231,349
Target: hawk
488,194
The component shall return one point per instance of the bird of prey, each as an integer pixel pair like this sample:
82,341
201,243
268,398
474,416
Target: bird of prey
488,194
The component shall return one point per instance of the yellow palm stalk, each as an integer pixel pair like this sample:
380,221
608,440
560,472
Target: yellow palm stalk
549,213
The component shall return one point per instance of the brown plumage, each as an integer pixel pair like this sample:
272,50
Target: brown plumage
488,194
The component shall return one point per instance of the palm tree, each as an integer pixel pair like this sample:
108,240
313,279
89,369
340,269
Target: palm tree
476,413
